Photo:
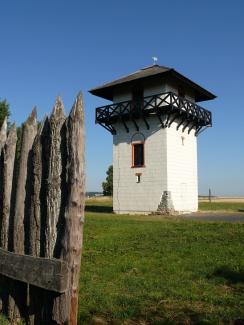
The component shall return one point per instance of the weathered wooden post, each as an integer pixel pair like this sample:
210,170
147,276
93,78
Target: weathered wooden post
41,218
66,306
209,196
7,154
55,170
6,190
18,297
3,134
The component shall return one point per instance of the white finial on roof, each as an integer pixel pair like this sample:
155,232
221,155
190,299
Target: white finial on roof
155,59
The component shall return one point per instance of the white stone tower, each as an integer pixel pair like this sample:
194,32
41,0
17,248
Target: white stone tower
154,120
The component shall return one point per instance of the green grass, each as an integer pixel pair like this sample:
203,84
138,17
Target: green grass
3,320
224,206
155,270
160,270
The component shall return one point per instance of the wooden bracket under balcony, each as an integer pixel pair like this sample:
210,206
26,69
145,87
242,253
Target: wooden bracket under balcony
168,107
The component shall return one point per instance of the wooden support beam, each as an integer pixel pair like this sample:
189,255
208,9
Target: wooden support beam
175,116
125,125
168,118
108,128
160,119
134,121
179,125
50,274
192,126
185,126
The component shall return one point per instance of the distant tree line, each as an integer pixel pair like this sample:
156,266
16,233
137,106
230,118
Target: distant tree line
5,112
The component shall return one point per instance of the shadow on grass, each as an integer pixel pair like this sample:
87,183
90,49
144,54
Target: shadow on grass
193,317
99,208
185,316
233,277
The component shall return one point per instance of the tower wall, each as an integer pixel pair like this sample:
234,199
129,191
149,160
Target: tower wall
152,87
182,169
170,167
128,195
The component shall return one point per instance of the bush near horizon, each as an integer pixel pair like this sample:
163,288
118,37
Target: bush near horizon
107,185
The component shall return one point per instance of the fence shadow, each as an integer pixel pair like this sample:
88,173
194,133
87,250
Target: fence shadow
99,208
232,276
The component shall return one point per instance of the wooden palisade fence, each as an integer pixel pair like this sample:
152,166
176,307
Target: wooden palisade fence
41,217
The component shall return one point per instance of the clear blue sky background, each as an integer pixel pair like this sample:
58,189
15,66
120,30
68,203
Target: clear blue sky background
59,47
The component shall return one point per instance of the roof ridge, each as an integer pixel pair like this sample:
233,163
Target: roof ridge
155,65
133,73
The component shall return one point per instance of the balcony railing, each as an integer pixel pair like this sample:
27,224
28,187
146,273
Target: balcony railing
168,107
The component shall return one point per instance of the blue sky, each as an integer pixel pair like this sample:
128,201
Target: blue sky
59,47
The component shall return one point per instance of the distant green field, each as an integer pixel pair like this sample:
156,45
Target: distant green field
153,270
224,206
106,205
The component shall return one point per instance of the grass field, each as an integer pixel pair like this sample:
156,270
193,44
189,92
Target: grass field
221,206
3,320
153,270
160,271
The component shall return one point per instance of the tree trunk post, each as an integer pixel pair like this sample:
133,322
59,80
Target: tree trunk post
18,296
66,306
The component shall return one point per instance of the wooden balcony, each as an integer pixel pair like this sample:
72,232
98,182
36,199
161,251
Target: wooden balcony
168,107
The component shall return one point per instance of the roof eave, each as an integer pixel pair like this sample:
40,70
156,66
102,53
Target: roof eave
202,94
107,92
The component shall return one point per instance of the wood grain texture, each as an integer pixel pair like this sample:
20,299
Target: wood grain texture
3,134
66,306
41,218
54,177
8,157
38,299
35,204
17,304
50,274
3,137
29,133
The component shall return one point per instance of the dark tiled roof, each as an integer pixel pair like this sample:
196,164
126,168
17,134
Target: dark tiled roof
106,90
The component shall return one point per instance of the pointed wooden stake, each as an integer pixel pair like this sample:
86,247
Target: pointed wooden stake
57,120
29,133
18,290
7,178
66,306
35,204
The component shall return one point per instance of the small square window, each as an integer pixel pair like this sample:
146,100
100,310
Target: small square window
137,154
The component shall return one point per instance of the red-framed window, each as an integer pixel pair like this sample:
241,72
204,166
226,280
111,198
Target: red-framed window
138,154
